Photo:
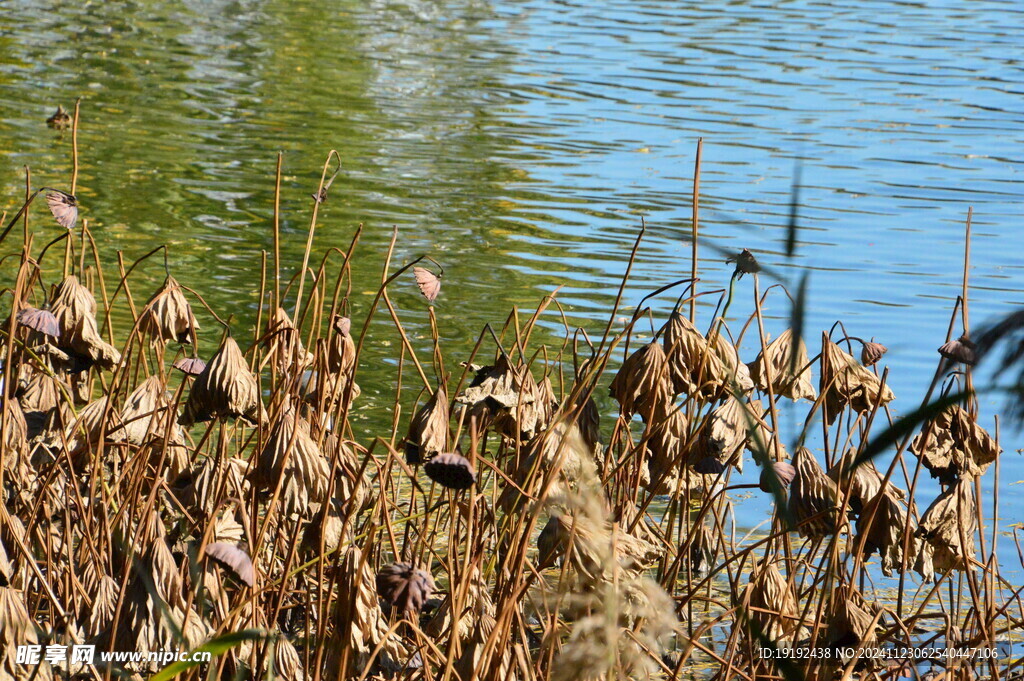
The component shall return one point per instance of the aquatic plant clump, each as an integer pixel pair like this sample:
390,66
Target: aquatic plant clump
541,512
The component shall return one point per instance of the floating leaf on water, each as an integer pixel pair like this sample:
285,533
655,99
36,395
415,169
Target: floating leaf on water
234,559
405,587
43,321
64,208
451,470
429,283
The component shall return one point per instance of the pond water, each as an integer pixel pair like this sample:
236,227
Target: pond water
520,143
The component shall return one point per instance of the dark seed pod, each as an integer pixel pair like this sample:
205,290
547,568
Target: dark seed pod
60,120
709,465
451,470
43,321
962,350
783,471
405,587
746,263
234,559
872,352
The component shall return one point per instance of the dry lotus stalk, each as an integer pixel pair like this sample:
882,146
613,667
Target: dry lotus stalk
699,368
292,459
953,445
783,358
772,605
168,316
226,388
948,526
285,345
428,430
642,385
846,382
812,494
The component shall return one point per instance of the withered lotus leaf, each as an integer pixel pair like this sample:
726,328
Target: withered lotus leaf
746,263
285,345
64,208
699,368
43,321
429,283
451,470
405,587
845,382
226,388
168,316
192,366
234,559
787,363
75,309
292,457
813,497
783,471
772,605
428,430
948,526
642,385
953,445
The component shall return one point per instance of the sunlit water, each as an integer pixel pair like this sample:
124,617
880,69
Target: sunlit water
521,143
